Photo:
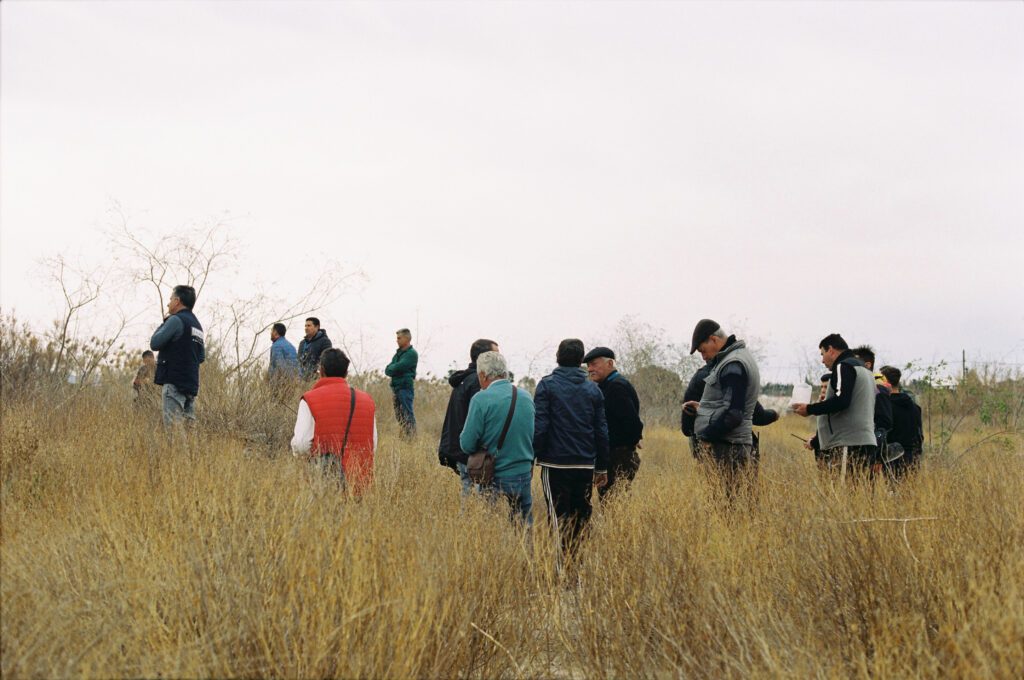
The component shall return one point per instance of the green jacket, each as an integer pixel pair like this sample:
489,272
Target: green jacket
402,369
488,410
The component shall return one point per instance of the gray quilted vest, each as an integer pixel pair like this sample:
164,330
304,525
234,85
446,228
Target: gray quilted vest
713,404
854,426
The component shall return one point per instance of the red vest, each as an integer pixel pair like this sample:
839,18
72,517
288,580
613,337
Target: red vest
329,401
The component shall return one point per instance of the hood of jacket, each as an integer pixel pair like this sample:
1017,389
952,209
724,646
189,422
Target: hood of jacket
458,377
321,333
901,400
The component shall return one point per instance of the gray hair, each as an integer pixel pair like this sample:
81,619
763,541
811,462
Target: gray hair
492,366
720,333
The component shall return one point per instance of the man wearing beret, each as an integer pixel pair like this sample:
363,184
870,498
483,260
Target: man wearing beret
725,413
622,411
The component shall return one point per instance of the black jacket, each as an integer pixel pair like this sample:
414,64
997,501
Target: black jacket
464,384
309,353
883,408
906,424
622,409
695,390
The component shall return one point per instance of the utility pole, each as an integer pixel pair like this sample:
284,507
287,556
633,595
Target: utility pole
963,360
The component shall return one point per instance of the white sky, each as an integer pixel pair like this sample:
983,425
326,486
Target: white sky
532,171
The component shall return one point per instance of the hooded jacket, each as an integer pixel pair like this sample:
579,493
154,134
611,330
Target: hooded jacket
310,351
906,424
464,384
571,430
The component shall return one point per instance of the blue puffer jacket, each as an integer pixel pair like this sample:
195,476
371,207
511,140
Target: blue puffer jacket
570,428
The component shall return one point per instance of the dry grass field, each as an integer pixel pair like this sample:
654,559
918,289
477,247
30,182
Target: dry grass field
126,554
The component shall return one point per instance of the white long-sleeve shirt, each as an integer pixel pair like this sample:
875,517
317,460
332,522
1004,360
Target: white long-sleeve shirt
302,438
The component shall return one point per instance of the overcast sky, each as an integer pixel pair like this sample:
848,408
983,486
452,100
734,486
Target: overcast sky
532,171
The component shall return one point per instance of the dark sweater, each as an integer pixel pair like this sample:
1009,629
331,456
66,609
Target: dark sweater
844,377
622,408
906,424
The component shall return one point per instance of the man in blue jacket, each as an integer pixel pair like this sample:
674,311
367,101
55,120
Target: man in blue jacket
570,442
284,361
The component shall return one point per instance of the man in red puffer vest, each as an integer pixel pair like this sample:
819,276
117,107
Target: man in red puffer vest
327,426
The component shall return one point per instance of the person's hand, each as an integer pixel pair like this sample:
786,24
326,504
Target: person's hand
690,407
601,480
800,409
809,446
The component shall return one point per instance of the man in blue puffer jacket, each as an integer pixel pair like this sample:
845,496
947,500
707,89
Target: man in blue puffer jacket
570,442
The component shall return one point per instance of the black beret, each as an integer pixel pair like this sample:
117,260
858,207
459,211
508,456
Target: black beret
703,331
597,353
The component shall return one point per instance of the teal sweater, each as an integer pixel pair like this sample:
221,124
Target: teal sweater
487,412
402,369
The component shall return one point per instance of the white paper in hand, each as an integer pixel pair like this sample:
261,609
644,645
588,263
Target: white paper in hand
801,395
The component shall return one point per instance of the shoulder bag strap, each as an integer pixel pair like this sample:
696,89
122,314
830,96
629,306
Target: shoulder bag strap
508,419
351,412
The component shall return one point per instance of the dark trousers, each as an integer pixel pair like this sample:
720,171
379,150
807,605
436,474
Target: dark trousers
623,465
567,496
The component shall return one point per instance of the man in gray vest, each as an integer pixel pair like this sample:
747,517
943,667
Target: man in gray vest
724,415
846,418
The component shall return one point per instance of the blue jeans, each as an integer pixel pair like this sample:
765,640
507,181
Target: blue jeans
402,401
467,483
516,489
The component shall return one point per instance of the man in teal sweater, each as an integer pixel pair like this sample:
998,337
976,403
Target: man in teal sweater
488,410
402,371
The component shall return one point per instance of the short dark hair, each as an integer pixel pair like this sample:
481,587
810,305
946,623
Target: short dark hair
186,295
334,363
313,320
147,353
833,340
570,352
280,329
892,374
479,347
404,331
865,353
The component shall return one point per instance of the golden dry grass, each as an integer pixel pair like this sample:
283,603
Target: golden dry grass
124,554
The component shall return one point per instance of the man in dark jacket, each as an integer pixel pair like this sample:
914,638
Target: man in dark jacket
181,346
310,349
570,442
846,425
906,423
622,411
464,384
724,423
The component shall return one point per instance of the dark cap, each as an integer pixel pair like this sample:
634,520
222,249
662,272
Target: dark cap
703,331
597,353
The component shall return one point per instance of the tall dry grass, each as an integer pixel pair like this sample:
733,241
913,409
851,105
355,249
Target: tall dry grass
128,553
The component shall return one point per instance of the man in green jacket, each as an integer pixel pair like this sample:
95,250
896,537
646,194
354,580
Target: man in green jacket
402,371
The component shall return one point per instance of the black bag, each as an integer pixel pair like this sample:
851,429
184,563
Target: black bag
480,466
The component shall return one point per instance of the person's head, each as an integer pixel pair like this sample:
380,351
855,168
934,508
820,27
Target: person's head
490,366
600,363
277,331
708,339
824,386
311,327
148,358
333,363
570,352
480,346
865,353
893,375
182,297
403,336
831,346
